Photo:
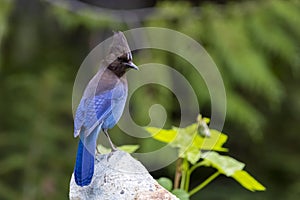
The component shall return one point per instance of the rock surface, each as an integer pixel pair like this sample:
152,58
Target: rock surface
119,176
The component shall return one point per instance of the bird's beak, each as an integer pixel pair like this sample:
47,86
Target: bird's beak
132,65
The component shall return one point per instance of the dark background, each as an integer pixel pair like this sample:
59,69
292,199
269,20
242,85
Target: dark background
255,45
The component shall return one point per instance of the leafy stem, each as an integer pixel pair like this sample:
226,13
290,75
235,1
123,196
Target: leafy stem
197,146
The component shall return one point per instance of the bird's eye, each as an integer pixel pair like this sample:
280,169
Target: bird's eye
122,59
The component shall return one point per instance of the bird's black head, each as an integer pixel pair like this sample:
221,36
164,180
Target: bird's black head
122,64
119,59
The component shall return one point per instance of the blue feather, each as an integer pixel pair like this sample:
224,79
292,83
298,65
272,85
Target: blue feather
84,166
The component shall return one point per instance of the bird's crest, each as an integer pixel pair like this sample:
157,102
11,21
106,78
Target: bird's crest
118,47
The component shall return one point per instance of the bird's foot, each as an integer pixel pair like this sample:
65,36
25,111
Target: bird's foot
113,148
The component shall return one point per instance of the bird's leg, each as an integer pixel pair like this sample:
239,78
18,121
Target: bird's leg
111,144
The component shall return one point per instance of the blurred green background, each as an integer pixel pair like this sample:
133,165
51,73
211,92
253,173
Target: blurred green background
255,44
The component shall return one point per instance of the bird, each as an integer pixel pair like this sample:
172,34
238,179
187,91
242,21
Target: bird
101,106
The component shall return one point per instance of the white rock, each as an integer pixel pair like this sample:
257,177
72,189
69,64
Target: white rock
119,176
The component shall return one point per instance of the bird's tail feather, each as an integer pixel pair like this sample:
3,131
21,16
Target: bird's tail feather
84,167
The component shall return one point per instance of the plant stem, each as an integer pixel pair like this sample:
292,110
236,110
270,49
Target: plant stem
197,165
177,173
189,172
183,176
202,185
187,181
184,170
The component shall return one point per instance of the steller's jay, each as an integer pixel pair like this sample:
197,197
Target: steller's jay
101,106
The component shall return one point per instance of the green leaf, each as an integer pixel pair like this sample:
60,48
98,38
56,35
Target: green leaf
166,183
103,149
129,148
188,141
215,141
192,154
126,148
162,135
231,167
224,164
185,136
181,194
247,181
181,138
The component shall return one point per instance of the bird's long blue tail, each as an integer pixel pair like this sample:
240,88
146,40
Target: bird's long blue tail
84,167
85,158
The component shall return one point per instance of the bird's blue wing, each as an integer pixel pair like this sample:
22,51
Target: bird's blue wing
93,110
79,117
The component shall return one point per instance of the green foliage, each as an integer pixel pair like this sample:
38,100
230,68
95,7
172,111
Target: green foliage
224,164
198,150
5,8
232,168
188,140
166,183
126,148
181,194
247,181
84,17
